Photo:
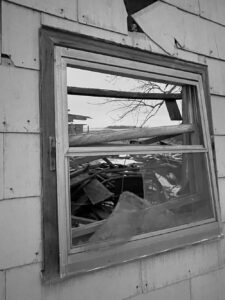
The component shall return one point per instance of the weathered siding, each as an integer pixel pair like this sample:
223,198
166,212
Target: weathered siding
209,286
192,273
105,14
218,113
216,76
21,165
208,37
213,10
20,222
2,285
19,97
1,167
63,8
20,37
179,290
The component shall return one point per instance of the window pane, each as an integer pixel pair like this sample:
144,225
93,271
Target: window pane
113,109
121,196
99,80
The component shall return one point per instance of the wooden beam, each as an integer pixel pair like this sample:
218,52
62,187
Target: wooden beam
173,110
136,133
121,94
156,139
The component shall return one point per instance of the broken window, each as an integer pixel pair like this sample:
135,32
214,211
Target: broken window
127,161
159,189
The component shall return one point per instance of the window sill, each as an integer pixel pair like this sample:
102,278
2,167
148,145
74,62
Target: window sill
119,253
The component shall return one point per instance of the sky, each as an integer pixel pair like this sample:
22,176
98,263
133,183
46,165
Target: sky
101,111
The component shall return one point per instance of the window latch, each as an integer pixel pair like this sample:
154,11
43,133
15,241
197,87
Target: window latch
52,154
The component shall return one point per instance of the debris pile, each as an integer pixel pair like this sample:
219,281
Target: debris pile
117,197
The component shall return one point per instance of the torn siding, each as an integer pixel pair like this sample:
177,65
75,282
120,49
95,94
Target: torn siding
210,10
172,28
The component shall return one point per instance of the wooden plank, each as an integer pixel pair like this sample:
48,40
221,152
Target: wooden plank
87,229
107,14
121,94
157,139
20,231
208,286
49,186
179,290
213,10
19,104
1,166
82,220
66,9
187,5
25,283
173,110
22,165
218,113
135,133
20,35
177,29
219,150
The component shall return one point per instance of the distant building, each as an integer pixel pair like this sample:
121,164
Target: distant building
75,128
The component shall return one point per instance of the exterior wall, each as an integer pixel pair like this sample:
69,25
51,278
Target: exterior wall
196,272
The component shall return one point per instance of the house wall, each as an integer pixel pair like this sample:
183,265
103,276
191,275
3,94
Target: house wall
193,273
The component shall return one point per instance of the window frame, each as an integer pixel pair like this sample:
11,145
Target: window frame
58,49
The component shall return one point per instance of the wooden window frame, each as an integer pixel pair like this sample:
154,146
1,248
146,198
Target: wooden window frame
57,49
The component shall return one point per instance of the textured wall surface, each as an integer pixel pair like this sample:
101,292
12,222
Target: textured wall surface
191,274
